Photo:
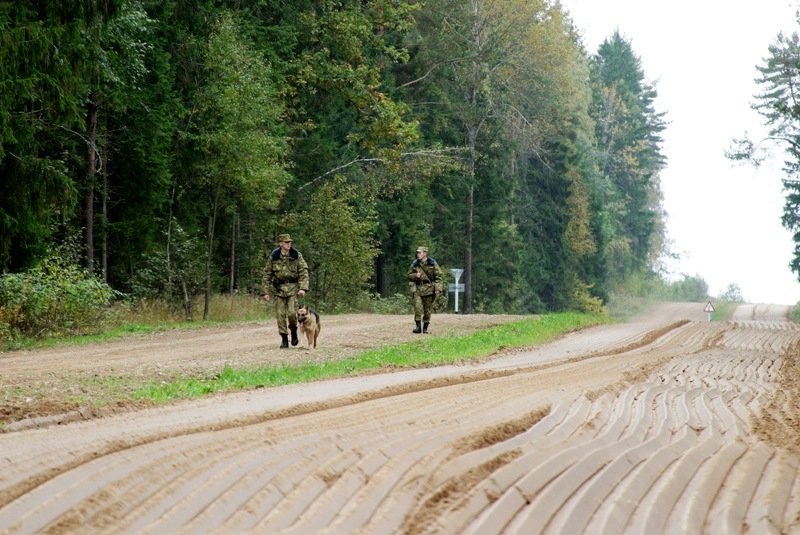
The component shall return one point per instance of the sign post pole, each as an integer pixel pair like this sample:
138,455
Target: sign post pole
456,287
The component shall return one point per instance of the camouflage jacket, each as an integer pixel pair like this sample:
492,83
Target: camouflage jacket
285,275
431,280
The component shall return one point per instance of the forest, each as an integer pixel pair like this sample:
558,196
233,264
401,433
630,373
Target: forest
157,148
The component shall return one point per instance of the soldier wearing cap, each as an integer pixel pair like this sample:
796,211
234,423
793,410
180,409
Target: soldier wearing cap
425,280
285,278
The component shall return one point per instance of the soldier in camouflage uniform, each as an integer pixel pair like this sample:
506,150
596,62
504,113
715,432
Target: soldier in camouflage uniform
425,281
285,278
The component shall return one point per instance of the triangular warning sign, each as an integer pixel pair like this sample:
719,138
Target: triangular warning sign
709,307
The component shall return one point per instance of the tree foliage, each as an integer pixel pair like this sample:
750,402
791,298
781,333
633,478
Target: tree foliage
43,85
628,136
240,139
779,105
337,230
180,138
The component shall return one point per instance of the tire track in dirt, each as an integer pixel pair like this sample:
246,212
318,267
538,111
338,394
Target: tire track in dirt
212,419
647,437
675,454
54,386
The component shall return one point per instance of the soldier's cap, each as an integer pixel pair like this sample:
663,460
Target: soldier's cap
422,249
284,237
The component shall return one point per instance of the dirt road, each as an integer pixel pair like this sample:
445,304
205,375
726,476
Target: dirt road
63,384
666,424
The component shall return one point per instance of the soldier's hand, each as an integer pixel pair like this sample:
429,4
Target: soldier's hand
265,297
301,293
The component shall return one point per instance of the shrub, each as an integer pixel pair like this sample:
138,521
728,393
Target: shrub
53,298
366,302
795,314
392,304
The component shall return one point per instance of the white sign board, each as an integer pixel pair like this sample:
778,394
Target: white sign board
455,287
456,273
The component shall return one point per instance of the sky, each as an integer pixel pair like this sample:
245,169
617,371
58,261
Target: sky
723,219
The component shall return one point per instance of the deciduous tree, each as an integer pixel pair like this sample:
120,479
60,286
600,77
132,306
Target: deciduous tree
238,132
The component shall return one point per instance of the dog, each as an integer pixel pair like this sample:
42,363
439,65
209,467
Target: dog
308,322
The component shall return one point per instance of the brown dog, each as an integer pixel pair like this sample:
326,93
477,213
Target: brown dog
308,321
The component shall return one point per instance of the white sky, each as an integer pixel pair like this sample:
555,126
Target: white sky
723,219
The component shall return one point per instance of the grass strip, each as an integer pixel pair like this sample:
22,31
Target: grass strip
723,311
424,352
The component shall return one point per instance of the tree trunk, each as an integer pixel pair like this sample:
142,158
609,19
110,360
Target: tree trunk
473,125
512,172
468,251
252,283
472,141
212,222
187,302
169,241
88,197
381,280
233,253
104,208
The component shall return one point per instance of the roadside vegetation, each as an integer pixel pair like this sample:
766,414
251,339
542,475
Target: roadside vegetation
795,315
722,310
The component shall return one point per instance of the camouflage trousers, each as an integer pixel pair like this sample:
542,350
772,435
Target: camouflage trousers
286,309
423,305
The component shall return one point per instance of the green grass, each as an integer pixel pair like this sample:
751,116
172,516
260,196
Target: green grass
722,310
421,353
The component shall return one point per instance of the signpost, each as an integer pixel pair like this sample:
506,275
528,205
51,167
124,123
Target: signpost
456,287
709,309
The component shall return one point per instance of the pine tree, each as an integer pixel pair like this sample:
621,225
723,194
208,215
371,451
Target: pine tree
779,104
628,132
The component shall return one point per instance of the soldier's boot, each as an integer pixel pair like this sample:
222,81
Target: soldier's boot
425,327
284,341
419,327
294,335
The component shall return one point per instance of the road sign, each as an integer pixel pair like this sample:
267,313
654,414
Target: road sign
708,310
455,288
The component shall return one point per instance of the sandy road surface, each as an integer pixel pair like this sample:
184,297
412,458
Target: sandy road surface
41,386
668,424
